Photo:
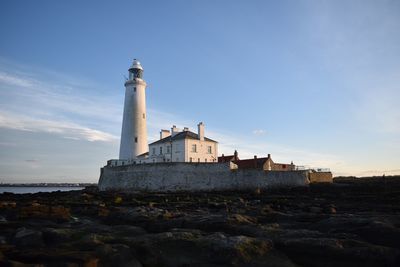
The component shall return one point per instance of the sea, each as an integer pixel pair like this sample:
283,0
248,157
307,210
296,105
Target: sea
36,189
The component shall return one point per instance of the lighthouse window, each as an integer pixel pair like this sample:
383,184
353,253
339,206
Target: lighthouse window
135,139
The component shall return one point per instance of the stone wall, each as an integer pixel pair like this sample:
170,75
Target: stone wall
320,177
180,176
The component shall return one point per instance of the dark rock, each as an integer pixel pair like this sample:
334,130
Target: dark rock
117,255
37,210
315,209
165,249
334,252
28,238
379,233
3,219
53,236
128,230
353,225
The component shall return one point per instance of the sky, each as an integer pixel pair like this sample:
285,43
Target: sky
313,82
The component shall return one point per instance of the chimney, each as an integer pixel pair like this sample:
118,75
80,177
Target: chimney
164,133
185,129
269,156
174,130
235,155
255,161
200,128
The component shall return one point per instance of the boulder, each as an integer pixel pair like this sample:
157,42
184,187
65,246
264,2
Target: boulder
28,238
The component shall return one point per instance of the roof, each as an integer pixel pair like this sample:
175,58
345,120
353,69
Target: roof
180,136
257,163
136,65
226,158
143,155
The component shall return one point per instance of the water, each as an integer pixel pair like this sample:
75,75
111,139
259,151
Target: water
36,189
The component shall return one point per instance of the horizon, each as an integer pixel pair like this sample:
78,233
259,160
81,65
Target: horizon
315,83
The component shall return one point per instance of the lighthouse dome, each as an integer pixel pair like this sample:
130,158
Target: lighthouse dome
136,65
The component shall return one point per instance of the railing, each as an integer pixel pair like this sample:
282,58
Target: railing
305,168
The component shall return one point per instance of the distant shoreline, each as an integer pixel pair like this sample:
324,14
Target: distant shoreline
48,185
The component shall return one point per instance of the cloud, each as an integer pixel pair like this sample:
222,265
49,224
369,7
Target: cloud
64,129
14,80
32,160
259,132
8,144
42,97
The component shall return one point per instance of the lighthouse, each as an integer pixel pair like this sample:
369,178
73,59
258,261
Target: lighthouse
134,129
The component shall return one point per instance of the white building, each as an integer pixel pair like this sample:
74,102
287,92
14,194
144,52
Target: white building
173,146
182,146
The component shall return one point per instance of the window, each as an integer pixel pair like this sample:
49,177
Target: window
194,148
209,150
198,160
168,149
190,159
154,150
135,139
205,160
144,116
134,89
160,150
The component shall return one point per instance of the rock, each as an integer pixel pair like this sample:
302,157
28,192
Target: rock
331,210
2,219
53,236
241,219
204,229
379,233
180,248
340,223
315,209
37,210
7,204
117,255
118,200
266,209
334,252
28,238
128,230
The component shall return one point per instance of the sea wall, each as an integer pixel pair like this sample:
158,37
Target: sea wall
179,176
320,177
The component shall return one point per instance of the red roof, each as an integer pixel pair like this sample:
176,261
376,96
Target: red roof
256,163
226,158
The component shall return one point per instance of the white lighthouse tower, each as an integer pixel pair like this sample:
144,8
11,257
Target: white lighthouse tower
134,129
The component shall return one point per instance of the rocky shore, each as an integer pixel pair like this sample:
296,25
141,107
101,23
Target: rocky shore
342,224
